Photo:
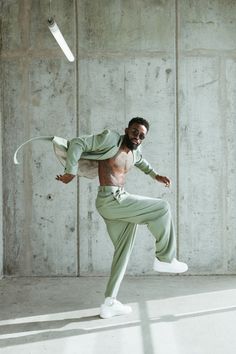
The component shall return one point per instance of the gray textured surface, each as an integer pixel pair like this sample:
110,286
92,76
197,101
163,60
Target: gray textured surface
39,98
1,208
172,62
178,315
207,193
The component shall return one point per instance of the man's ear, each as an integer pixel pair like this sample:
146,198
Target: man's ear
126,130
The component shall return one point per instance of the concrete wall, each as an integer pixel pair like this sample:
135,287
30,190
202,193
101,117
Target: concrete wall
126,69
1,199
206,135
39,98
172,62
1,204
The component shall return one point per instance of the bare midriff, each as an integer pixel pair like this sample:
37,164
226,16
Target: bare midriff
112,171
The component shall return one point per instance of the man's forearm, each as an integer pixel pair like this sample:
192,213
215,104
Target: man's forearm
145,167
73,155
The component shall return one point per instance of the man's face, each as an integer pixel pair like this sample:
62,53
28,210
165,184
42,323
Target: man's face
134,135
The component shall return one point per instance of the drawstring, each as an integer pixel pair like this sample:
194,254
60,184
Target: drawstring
117,194
115,191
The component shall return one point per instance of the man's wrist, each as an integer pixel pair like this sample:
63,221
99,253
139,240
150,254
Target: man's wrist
71,170
153,174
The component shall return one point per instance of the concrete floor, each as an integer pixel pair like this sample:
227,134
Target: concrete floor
171,315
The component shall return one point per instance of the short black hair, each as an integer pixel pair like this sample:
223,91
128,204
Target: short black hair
139,120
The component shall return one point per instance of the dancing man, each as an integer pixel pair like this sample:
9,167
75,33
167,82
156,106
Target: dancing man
121,211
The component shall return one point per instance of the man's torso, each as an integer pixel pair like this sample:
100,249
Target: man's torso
112,171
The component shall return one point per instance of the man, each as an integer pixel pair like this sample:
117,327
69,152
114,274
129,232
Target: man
121,211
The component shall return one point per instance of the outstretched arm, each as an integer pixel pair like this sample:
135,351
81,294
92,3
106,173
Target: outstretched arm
76,147
144,166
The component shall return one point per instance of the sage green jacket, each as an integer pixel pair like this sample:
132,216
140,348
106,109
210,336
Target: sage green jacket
80,155
101,147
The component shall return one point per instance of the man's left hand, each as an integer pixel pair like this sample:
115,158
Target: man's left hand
163,179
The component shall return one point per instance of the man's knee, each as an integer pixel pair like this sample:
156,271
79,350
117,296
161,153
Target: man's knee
165,205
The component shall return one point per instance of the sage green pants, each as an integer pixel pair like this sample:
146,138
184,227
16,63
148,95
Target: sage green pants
122,212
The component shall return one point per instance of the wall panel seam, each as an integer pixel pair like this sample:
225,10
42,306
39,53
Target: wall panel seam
177,120
76,4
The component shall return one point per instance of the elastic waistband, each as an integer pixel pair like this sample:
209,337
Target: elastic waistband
110,189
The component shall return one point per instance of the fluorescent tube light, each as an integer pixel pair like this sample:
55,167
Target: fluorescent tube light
60,39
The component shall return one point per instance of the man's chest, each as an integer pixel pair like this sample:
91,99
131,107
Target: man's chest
122,161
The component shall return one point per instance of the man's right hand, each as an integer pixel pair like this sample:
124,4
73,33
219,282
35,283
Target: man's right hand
66,178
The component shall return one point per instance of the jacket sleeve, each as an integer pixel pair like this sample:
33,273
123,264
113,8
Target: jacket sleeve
89,143
145,167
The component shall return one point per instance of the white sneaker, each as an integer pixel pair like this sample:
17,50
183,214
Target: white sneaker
173,267
112,307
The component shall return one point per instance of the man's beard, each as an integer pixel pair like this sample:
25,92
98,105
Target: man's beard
129,144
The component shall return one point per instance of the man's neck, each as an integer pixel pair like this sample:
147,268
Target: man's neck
124,148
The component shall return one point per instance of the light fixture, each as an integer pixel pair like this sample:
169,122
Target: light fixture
60,39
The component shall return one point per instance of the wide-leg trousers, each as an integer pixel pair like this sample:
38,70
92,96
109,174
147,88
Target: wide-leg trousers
122,212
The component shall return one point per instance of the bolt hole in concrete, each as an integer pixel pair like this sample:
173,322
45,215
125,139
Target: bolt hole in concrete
49,197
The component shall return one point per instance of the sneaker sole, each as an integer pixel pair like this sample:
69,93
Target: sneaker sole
170,271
